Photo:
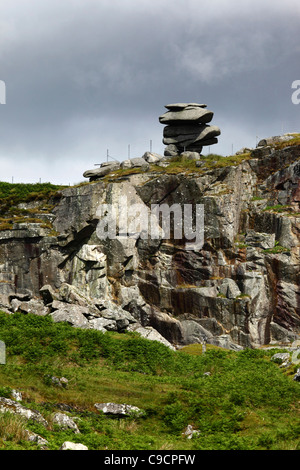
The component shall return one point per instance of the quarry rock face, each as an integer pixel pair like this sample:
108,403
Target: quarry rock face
240,288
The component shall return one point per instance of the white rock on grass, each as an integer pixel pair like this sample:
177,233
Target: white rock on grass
117,409
11,406
65,422
67,445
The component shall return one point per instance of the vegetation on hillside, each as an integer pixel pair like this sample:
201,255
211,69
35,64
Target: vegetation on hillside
13,195
236,400
288,143
181,164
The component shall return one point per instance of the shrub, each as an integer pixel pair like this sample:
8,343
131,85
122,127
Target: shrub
175,417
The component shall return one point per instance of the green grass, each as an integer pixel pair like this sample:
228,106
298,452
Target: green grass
245,402
27,191
289,143
278,208
277,249
11,195
211,161
181,165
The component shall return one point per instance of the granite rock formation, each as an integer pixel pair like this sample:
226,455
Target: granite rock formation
187,128
240,289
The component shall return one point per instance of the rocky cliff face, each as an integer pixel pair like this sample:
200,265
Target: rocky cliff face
241,289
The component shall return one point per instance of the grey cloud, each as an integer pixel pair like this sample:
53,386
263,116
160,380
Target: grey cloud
83,76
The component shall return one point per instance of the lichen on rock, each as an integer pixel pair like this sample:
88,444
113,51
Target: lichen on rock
239,289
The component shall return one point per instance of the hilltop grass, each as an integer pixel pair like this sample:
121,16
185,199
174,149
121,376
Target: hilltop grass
180,164
289,143
12,195
237,400
23,192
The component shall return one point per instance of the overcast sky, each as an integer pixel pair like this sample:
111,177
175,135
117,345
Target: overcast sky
84,76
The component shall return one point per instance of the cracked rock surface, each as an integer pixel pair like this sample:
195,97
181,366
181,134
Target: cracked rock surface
240,289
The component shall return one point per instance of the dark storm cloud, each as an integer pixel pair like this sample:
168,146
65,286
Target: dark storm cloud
84,75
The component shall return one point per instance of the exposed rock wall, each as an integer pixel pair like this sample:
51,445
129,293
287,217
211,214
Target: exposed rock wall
241,289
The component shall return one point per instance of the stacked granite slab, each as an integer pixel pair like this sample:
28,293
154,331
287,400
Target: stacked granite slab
187,128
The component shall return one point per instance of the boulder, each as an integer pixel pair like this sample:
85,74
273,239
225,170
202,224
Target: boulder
17,395
61,382
296,356
152,157
22,297
190,432
151,334
72,314
191,114
34,306
126,164
190,155
33,437
171,151
274,140
4,302
113,165
179,106
67,445
14,305
243,150
139,162
96,173
103,324
225,342
119,410
11,406
297,376
64,422
103,170
70,294
281,358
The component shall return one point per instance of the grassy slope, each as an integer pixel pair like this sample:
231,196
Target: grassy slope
247,401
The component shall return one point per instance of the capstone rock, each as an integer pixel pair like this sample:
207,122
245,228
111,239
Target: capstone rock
187,128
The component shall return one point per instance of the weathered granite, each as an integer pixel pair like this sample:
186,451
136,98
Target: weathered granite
240,289
187,129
